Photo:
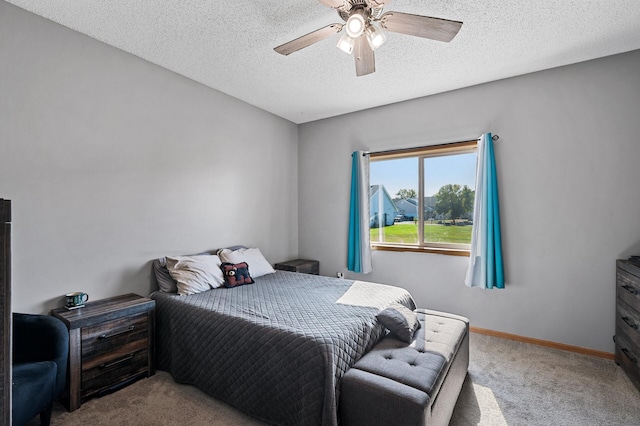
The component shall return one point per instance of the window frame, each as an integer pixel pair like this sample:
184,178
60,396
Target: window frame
421,153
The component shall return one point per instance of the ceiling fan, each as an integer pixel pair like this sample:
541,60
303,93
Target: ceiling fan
364,21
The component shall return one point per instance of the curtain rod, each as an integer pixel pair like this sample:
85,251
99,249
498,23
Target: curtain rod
392,151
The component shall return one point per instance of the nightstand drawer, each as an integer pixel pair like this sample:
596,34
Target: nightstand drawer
112,338
113,371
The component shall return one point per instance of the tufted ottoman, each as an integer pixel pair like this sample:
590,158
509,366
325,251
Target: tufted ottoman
409,384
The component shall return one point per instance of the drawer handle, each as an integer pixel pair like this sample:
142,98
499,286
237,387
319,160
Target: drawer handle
125,359
630,289
109,336
629,323
628,355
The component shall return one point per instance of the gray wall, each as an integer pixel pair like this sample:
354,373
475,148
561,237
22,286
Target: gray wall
568,161
111,161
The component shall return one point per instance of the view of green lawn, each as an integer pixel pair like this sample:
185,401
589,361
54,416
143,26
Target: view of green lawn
407,232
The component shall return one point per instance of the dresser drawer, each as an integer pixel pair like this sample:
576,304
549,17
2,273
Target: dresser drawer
112,339
628,356
628,287
628,321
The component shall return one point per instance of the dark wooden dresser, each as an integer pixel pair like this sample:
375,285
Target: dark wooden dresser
5,312
627,336
304,266
110,345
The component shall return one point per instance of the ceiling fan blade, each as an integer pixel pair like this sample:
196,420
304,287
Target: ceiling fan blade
308,39
420,26
333,3
365,59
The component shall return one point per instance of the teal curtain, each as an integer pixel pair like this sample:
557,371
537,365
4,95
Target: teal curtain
359,251
485,263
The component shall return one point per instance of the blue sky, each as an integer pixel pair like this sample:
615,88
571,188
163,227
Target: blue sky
403,173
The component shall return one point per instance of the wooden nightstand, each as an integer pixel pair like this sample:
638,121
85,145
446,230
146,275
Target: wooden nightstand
300,265
110,345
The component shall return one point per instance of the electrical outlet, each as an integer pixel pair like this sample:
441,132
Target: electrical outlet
339,275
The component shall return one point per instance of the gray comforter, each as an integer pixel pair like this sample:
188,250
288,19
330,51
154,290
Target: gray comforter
275,349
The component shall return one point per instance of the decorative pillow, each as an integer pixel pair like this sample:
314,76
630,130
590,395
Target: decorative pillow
236,274
252,256
195,274
400,320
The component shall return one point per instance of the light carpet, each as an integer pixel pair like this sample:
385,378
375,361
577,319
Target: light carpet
509,383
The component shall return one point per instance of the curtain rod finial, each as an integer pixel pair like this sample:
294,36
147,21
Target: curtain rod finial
495,137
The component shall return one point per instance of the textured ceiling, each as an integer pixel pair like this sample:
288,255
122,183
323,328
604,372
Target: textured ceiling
229,45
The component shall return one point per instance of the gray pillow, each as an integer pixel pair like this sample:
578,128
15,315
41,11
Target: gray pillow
400,320
166,284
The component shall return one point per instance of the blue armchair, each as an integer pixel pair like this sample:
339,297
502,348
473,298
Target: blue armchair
40,354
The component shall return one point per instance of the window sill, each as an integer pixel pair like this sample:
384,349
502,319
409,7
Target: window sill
416,249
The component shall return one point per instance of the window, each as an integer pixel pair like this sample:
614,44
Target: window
422,199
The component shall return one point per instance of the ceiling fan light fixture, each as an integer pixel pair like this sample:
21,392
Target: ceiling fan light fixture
355,25
365,19
346,43
375,36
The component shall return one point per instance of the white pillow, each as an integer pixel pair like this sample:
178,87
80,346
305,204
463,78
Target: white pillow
258,265
195,274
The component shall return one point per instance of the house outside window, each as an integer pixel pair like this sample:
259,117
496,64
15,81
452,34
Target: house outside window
382,208
430,194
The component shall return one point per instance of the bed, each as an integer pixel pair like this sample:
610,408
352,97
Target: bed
275,349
